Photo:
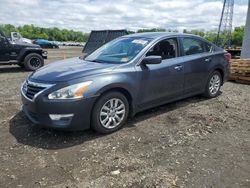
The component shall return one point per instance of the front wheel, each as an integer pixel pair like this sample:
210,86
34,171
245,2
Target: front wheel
213,85
110,112
33,61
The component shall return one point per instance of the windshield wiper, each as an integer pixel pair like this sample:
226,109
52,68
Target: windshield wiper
97,61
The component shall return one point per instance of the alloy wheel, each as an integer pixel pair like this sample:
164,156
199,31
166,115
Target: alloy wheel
112,113
214,84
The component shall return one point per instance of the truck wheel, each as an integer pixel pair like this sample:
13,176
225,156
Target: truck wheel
33,61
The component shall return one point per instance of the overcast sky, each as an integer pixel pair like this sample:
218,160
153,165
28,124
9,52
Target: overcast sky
86,15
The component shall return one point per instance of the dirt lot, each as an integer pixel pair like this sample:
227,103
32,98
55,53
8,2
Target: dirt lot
190,143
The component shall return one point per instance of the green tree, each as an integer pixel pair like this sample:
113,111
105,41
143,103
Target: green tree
211,36
237,36
56,34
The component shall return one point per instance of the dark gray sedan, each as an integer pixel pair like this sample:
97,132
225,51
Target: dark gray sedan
125,76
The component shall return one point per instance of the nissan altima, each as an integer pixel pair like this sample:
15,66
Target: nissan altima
127,75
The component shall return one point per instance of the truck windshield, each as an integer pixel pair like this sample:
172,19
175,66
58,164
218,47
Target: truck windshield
118,51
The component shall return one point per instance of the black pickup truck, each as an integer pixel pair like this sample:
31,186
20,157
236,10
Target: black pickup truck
29,56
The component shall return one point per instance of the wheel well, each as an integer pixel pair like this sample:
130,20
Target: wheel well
29,52
221,73
125,93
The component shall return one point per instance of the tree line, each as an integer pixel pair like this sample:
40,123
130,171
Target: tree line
53,34
56,34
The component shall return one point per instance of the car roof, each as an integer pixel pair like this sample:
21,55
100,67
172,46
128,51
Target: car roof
156,35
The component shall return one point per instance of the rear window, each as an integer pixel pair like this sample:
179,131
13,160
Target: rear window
193,46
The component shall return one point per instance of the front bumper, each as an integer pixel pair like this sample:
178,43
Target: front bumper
77,113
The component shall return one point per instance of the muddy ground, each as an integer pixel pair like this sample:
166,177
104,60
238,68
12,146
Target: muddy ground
191,143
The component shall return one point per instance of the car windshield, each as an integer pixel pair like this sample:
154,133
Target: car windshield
118,51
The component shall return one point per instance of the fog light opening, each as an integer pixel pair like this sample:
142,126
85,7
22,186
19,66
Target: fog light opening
58,117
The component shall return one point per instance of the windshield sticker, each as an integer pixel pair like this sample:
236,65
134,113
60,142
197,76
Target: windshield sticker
139,41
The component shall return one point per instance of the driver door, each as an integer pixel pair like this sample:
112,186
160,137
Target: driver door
161,83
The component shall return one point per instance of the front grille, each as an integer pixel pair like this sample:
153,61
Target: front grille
33,90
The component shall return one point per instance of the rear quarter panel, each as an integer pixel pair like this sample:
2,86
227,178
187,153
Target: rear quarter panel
220,63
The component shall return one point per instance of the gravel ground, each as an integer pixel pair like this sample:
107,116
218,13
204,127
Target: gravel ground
190,143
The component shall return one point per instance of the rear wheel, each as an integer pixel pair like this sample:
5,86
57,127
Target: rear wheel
33,61
213,85
110,112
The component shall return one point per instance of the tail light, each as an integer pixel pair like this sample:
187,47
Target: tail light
227,56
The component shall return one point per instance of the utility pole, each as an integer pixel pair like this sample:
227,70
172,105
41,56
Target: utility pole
245,51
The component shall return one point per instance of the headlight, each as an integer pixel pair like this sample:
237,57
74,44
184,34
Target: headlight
75,91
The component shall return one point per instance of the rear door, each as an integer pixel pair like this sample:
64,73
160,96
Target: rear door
198,57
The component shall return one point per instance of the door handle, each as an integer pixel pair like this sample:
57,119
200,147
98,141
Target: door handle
207,60
178,67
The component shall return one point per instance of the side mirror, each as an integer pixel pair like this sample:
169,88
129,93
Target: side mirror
152,60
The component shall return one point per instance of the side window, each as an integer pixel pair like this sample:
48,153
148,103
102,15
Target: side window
167,49
195,46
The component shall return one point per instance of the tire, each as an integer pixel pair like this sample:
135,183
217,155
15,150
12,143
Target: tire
112,118
213,85
33,61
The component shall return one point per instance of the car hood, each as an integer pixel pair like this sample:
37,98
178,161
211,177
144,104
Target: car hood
69,69
25,44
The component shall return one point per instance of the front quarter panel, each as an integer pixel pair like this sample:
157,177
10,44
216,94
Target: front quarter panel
24,51
125,78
